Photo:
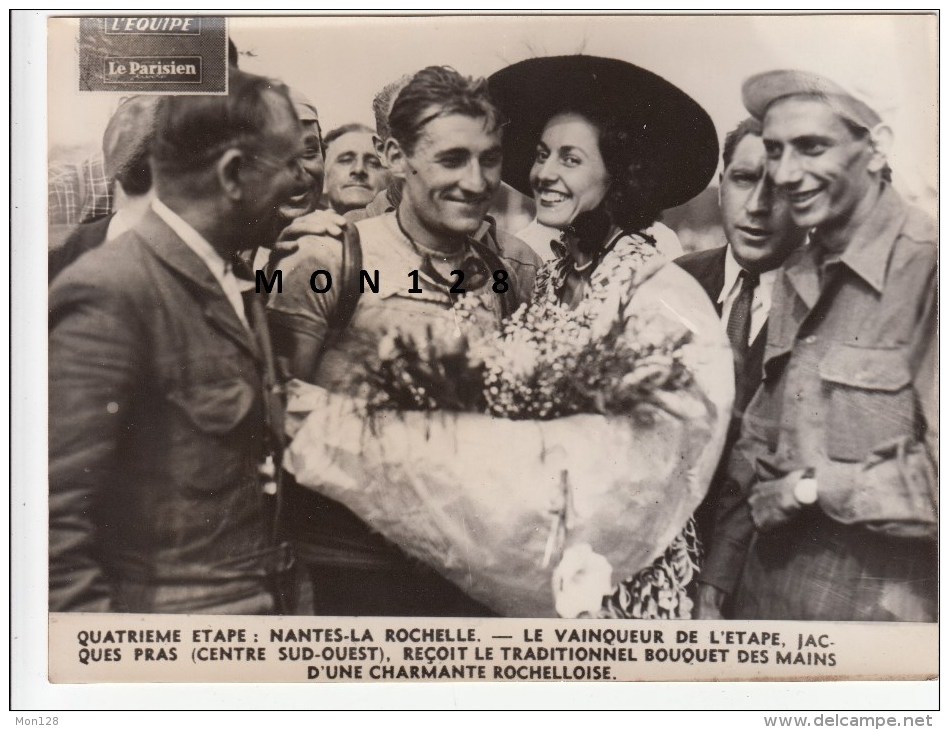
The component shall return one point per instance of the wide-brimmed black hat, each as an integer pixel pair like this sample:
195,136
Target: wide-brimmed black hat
676,132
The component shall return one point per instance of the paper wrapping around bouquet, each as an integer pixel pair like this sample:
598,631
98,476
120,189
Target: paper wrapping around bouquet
478,497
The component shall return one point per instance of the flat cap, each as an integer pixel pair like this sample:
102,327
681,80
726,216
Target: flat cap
761,90
128,133
305,109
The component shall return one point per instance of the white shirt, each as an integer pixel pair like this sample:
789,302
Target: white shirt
219,268
538,236
761,300
128,212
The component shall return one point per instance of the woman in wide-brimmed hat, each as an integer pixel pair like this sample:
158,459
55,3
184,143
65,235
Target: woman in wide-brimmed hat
644,145
604,147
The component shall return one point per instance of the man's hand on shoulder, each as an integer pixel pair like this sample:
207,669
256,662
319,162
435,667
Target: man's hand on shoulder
317,223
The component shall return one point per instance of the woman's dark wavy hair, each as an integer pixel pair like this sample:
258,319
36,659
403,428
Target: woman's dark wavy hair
632,199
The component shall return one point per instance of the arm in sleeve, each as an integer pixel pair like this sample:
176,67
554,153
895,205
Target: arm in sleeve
299,317
93,368
671,301
895,490
731,533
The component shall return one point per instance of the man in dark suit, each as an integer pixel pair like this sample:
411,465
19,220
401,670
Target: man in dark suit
160,396
738,278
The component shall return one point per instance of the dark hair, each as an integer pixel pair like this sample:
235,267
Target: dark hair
232,54
335,134
434,92
733,138
136,174
632,200
191,132
382,104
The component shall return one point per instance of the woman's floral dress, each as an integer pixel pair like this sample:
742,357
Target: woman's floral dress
661,590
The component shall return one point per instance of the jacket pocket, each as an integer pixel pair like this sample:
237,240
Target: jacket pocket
869,399
215,408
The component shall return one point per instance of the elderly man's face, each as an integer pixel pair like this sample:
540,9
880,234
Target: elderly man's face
354,173
757,222
817,163
311,161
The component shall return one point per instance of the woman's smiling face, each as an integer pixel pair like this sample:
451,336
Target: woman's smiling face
569,175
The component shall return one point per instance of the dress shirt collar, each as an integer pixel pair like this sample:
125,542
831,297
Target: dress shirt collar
219,268
194,240
762,295
732,270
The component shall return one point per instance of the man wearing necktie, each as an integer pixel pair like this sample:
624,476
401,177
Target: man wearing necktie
738,278
162,391
838,450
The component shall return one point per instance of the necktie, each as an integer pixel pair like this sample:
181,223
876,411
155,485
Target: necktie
739,320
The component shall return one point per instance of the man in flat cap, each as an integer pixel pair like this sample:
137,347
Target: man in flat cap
838,447
125,149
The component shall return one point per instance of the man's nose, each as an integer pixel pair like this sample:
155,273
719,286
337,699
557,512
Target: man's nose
474,180
786,171
359,168
760,199
297,169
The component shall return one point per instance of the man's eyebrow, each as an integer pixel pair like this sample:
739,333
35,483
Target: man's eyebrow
453,152
744,167
811,138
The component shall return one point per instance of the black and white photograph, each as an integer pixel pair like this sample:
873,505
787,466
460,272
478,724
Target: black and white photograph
533,348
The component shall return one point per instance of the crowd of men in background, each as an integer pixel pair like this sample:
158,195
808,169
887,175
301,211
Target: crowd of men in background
162,372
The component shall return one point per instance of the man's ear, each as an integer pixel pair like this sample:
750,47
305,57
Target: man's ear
229,170
396,160
881,142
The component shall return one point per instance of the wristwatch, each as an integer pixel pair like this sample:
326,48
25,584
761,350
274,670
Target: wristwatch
805,491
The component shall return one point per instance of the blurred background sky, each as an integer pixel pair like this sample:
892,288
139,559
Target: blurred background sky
340,63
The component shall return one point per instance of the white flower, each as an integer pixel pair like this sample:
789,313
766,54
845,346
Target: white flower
580,581
388,350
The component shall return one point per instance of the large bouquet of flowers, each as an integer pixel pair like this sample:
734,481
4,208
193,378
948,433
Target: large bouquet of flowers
534,467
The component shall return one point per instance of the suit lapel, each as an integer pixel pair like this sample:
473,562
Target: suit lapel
174,253
716,278
708,269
